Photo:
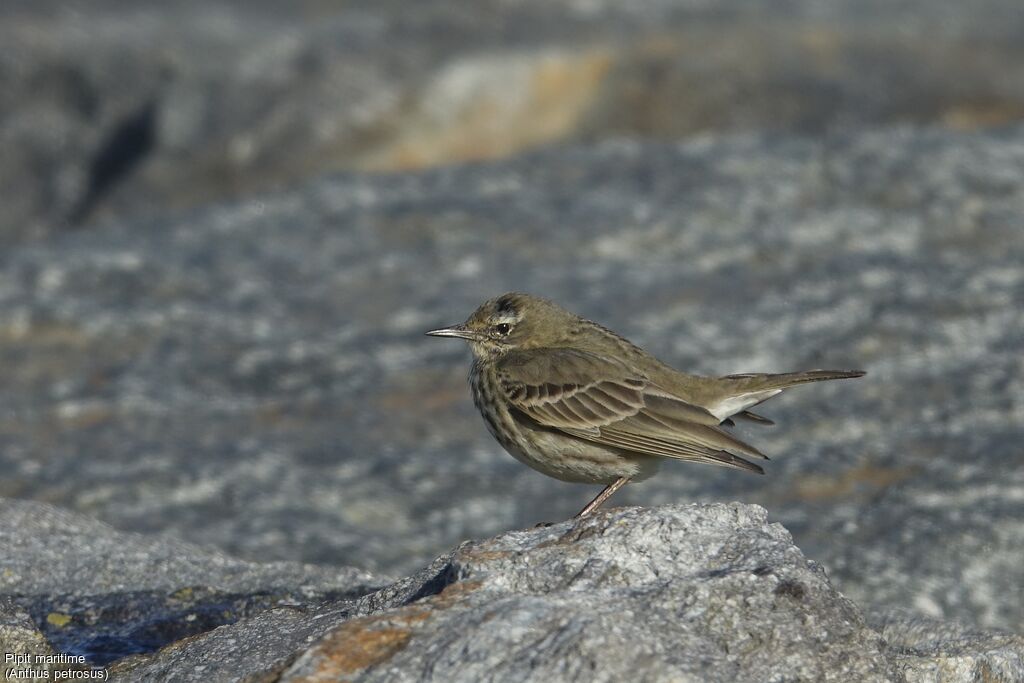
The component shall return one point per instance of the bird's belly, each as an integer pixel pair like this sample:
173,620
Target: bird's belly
569,459
552,452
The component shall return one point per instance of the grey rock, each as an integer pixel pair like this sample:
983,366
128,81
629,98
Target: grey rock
19,638
262,646
694,592
254,377
102,594
253,648
90,557
115,108
681,593
931,650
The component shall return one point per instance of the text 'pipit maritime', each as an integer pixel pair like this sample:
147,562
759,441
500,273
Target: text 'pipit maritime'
578,402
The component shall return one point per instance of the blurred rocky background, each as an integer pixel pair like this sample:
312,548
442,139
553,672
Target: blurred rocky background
116,108
225,225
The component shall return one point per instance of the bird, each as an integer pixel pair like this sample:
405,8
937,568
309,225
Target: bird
580,403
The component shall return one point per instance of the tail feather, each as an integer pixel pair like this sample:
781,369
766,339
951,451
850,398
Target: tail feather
761,382
736,393
754,417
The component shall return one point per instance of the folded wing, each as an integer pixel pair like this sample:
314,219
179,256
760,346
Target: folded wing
601,400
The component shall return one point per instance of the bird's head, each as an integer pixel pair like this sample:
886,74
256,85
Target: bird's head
512,321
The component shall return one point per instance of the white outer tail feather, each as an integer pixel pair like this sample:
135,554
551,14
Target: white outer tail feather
731,405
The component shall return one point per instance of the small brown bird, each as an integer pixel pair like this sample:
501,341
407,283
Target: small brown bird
579,403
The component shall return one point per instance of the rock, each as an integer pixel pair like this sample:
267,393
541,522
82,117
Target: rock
208,343
254,377
681,593
260,647
104,595
20,641
684,592
138,109
930,650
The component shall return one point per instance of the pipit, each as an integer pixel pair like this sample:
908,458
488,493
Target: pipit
579,403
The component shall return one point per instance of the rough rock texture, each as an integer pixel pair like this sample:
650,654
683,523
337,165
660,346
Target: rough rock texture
687,593
206,339
927,650
676,593
263,645
114,106
253,376
694,592
18,637
105,594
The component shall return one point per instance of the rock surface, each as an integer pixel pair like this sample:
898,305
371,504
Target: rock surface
927,650
139,107
104,594
674,593
253,376
19,638
206,339
684,593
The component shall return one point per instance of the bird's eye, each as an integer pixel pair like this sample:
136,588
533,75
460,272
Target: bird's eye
503,328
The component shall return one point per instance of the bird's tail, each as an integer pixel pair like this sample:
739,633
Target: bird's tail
739,392
761,382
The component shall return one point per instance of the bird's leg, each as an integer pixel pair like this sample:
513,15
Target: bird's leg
603,496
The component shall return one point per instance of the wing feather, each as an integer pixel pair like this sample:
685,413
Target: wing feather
600,399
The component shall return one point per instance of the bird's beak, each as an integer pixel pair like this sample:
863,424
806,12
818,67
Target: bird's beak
460,331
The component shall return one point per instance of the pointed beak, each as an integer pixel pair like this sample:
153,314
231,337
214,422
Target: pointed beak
460,331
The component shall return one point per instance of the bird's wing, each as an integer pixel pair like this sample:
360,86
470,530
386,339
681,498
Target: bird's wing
599,399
